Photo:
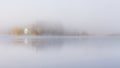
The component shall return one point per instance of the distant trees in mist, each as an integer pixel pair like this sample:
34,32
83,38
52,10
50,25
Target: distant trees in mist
56,29
48,29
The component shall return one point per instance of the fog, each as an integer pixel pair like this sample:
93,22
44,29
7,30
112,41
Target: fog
93,16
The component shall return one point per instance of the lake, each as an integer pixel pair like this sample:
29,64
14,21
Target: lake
59,52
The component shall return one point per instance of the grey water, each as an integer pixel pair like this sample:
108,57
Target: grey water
59,52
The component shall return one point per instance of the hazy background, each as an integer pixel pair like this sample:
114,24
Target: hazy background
93,16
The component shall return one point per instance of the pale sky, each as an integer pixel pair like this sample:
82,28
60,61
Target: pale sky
94,16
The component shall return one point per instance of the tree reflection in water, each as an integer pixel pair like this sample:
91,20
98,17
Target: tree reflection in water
40,44
52,43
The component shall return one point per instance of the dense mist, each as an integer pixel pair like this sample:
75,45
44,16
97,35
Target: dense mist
92,16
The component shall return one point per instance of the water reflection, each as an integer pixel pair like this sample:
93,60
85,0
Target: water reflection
76,52
56,43
47,43
40,44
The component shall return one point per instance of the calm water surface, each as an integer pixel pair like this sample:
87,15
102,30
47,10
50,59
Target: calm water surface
59,52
